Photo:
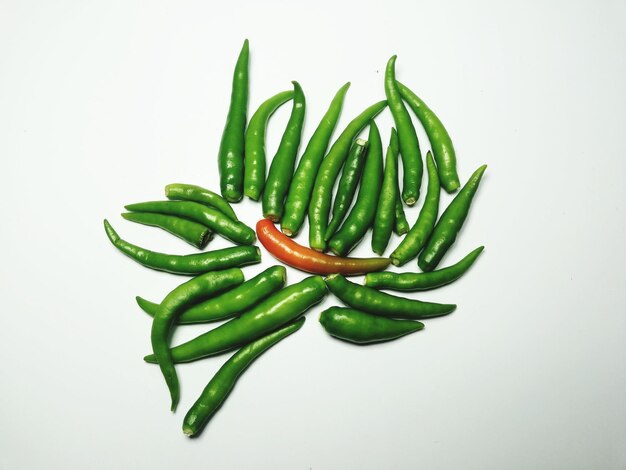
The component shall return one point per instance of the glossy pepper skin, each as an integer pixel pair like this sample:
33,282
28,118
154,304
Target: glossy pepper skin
232,302
192,291
284,162
385,210
386,305
400,224
230,157
192,232
450,223
407,137
409,282
275,311
319,207
185,264
305,259
415,240
363,328
226,377
361,217
299,195
439,139
191,192
235,231
348,183
255,162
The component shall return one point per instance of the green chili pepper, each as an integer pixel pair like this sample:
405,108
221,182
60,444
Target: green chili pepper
319,208
283,163
362,214
409,282
192,232
378,303
190,292
225,379
439,138
400,224
190,192
363,328
236,231
449,224
407,137
299,194
347,185
230,303
185,264
385,210
254,168
415,240
275,311
231,153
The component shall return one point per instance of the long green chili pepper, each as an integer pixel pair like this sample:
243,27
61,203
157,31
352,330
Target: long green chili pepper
319,207
225,379
410,282
236,231
400,223
415,240
347,185
185,264
439,138
283,163
192,232
407,137
190,192
449,224
385,209
282,307
190,292
299,195
232,302
363,212
378,303
230,157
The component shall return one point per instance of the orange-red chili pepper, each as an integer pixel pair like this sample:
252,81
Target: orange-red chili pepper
306,259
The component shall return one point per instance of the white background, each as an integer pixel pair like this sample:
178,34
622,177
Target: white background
102,104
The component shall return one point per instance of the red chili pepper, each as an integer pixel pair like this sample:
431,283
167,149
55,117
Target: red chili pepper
306,259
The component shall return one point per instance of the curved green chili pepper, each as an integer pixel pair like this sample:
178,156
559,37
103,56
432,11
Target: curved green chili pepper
192,291
299,194
363,212
190,192
418,235
449,224
254,168
225,379
363,328
237,232
439,138
192,232
409,146
283,163
230,303
319,207
378,303
185,264
410,282
347,185
284,306
385,210
400,224
230,156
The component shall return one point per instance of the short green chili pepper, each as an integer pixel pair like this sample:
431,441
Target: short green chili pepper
192,232
190,192
363,328
449,224
378,303
225,379
409,282
385,209
185,264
